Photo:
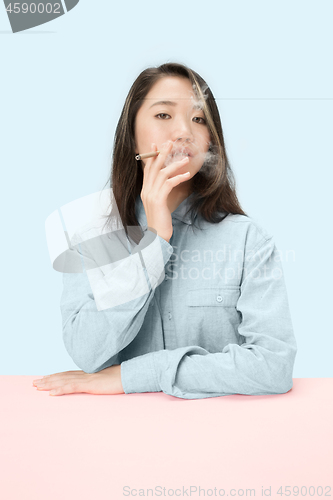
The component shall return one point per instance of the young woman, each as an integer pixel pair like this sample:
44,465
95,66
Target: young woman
199,307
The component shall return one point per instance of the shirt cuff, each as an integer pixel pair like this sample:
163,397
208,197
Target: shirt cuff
156,254
167,249
139,374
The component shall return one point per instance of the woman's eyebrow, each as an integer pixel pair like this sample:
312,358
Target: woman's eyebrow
166,103
196,106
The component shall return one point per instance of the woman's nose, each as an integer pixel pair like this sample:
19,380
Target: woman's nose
182,132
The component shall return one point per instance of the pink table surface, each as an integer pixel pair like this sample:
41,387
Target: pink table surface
84,446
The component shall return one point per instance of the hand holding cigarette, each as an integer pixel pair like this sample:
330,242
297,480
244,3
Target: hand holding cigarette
158,182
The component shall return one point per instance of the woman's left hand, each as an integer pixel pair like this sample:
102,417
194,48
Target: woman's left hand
107,381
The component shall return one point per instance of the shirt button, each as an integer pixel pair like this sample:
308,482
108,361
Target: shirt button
170,315
219,298
166,277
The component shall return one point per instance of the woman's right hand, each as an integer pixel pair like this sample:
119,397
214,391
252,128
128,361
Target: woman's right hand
157,184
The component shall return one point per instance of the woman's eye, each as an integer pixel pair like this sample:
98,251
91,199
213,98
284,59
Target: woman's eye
203,121
163,116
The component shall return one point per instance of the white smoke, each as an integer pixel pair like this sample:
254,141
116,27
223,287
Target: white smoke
211,161
198,101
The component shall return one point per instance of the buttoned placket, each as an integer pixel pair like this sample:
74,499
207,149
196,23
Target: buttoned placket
166,304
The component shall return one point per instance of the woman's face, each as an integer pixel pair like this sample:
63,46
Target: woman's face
170,111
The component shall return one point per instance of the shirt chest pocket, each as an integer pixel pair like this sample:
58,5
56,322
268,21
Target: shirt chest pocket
212,314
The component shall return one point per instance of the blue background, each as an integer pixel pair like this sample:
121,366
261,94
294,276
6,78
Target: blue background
63,86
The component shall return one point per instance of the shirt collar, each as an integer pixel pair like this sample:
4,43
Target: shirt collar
179,213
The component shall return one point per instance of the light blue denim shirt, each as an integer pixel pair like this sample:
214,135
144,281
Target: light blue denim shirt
204,315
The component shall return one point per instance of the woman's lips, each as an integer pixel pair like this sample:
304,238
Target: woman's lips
183,152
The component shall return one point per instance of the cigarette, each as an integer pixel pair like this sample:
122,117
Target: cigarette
147,155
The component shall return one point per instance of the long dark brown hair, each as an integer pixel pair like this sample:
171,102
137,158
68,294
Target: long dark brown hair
211,194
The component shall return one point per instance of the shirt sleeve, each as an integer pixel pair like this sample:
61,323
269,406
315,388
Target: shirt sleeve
103,308
263,364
